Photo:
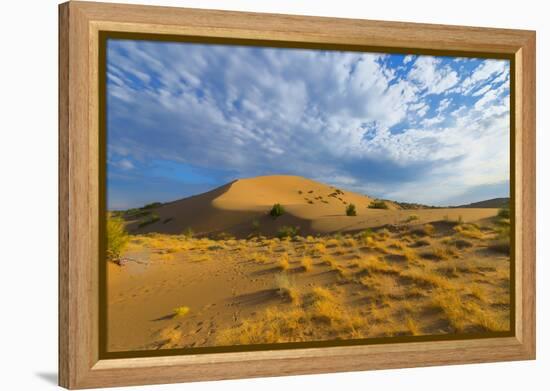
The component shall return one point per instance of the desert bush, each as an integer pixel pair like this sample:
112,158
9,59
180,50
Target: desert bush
378,204
152,218
188,232
276,211
117,237
287,231
152,205
411,218
504,213
350,210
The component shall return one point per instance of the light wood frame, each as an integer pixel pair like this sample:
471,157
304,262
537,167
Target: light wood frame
79,153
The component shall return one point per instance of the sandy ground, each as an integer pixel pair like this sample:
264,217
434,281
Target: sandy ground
408,278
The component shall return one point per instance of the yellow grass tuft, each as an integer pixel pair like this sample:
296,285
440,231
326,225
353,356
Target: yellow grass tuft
478,292
377,265
469,231
322,294
426,278
287,288
383,234
181,311
307,263
332,243
259,258
412,217
429,229
326,311
412,326
349,242
284,264
460,313
320,248
409,254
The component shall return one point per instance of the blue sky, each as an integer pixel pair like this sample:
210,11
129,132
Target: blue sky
184,118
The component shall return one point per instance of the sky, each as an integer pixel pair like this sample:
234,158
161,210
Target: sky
184,118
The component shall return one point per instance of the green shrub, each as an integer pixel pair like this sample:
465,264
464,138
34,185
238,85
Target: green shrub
365,234
277,210
152,205
414,217
117,237
153,218
287,231
188,232
378,204
136,213
350,210
504,213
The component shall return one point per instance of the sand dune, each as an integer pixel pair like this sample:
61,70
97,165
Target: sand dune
314,207
423,271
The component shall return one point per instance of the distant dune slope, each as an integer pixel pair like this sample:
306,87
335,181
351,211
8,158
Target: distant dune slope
242,206
492,203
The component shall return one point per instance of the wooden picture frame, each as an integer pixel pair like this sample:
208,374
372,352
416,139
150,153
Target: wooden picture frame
80,26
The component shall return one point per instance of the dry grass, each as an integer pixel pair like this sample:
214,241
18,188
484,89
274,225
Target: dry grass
369,284
462,314
320,248
471,231
426,278
284,263
413,326
287,288
349,242
377,265
181,311
329,261
259,258
307,263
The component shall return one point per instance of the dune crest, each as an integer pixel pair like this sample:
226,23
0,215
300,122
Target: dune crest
242,207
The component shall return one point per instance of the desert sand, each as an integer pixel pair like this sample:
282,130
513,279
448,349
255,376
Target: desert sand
214,270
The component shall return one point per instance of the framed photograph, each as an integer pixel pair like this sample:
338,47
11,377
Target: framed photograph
247,195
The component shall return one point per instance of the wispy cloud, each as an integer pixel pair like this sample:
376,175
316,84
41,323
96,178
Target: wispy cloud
414,128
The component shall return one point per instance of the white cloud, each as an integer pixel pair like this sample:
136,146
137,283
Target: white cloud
443,105
432,77
429,122
483,72
249,111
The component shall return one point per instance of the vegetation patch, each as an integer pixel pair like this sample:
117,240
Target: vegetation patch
378,204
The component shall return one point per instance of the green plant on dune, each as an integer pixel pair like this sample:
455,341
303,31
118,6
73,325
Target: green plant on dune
117,237
378,204
152,218
287,231
188,232
276,211
350,210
